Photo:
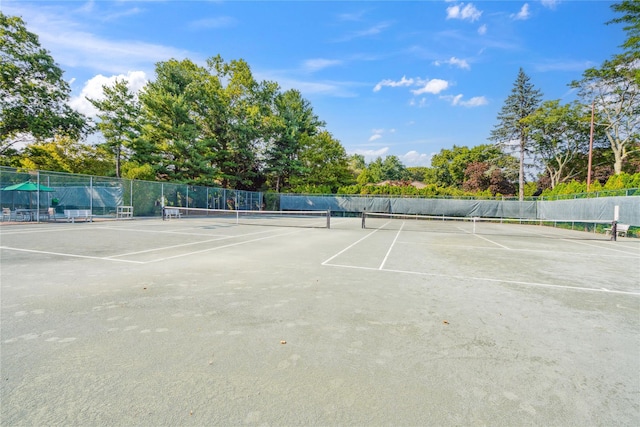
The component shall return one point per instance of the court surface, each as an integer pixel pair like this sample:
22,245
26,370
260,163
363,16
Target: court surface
193,322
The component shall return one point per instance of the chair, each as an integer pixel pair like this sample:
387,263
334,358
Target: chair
6,214
52,213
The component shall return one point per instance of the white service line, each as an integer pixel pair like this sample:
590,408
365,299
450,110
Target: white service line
68,255
350,246
491,241
222,247
391,247
489,279
185,244
597,246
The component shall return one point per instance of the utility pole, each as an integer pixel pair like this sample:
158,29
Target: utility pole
590,146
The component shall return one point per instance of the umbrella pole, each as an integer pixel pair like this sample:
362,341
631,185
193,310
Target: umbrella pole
38,199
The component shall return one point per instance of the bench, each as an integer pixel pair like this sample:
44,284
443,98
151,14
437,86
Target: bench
72,214
621,229
44,213
169,213
124,212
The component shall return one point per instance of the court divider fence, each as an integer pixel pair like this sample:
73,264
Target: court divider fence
103,195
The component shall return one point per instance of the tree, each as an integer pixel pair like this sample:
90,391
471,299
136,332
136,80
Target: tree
65,154
169,128
559,134
241,123
511,131
357,164
33,94
448,168
393,169
613,90
119,120
482,176
294,121
325,165
417,173
630,10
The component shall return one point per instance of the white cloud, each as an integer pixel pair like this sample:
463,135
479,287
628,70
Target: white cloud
434,86
377,134
317,64
218,22
371,155
421,103
73,43
550,4
465,12
524,13
457,100
482,30
371,31
460,63
413,158
93,89
387,82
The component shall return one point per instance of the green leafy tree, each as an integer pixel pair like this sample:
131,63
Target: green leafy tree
294,122
559,134
630,17
417,173
393,169
613,88
325,165
511,131
33,94
448,167
66,154
119,120
616,96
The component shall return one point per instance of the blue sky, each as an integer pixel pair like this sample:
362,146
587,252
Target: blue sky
404,78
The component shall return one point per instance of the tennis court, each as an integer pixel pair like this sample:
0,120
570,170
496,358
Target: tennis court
200,321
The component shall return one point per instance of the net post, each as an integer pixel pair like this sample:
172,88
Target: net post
328,218
364,211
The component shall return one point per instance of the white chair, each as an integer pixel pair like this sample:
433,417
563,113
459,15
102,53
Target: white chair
6,214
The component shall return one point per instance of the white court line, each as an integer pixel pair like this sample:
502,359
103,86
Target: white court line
488,279
222,247
491,241
68,255
597,246
113,257
544,251
391,247
186,244
350,246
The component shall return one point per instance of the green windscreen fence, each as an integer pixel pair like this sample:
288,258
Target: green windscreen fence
103,195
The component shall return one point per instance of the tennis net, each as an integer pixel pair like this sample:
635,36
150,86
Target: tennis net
305,219
477,225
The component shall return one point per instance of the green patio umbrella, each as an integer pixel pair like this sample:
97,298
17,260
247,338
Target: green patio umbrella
30,187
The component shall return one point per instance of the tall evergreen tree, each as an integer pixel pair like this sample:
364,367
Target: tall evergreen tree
511,132
119,120
294,121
